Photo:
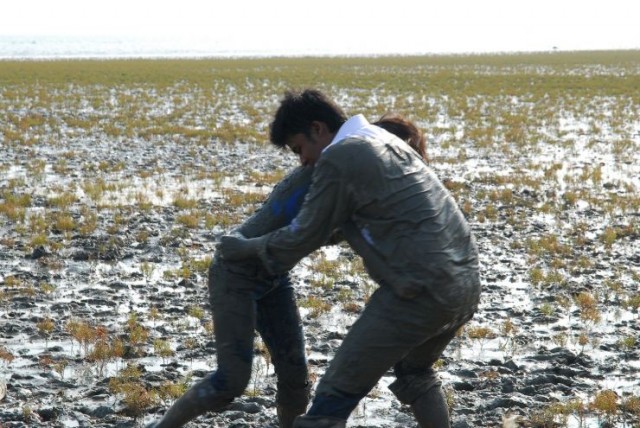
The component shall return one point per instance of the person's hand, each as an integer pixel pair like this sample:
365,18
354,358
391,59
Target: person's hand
237,247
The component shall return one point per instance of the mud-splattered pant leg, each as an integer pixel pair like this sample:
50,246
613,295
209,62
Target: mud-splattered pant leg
391,332
232,294
243,297
280,327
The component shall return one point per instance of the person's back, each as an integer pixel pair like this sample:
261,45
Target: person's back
414,240
405,214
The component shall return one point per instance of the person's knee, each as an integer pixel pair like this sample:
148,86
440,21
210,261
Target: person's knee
231,385
409,387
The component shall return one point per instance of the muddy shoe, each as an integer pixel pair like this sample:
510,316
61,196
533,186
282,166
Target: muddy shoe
201,398
306,421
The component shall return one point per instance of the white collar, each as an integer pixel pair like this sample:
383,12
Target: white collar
358,126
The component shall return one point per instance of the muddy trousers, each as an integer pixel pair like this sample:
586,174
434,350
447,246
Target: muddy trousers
242,302
406,335
244,297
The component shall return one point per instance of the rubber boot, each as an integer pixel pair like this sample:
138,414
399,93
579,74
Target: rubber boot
431,410
287,414
306,421
200,398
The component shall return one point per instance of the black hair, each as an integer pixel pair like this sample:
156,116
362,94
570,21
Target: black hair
298,109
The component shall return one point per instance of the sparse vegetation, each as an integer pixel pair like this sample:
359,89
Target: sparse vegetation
317,306
540,151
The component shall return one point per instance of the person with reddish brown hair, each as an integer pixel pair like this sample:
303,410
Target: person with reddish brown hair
414,241
245,296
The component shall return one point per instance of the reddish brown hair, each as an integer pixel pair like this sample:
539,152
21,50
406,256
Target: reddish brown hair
406,131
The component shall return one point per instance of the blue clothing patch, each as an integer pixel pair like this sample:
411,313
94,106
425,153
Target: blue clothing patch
290,207
294,226
367,235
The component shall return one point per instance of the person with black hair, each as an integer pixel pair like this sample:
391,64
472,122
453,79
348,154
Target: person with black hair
415,243
244,297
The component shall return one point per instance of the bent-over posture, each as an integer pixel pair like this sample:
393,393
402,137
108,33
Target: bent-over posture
414,241
245,296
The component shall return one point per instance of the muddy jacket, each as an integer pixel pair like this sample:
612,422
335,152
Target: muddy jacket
407,220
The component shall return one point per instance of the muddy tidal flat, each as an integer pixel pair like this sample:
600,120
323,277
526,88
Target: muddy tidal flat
118,177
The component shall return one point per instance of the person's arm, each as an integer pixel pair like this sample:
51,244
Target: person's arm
282,205
327,205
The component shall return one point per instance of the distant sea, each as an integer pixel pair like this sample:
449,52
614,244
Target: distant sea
58,47
53,47
249,45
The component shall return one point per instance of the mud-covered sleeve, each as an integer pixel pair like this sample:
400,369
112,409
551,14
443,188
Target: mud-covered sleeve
282,205
327,205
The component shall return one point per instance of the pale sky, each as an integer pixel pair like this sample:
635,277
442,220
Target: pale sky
387,25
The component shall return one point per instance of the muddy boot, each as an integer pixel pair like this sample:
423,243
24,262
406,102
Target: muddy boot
306,421
430,409
200,398
287,414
